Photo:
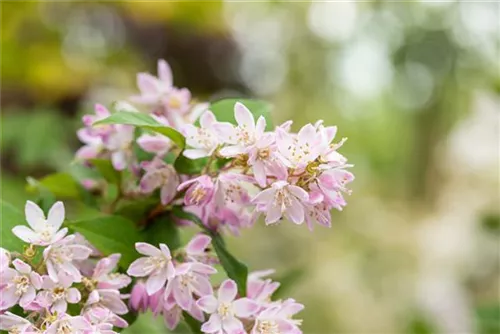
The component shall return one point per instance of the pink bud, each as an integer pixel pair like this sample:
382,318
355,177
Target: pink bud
139,299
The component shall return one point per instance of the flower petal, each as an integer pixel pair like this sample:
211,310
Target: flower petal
25,234
156,281
73,296
208,304
213,324
138,267
244,117
147,249
245,307
227,291
56,215
21,266
198,244
34,215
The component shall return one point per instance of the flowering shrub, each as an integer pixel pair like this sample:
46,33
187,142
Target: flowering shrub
141,177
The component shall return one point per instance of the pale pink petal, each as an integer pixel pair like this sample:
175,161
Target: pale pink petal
156,281
245,307
213,324
265,196
232,151
147,83
165,250
195,153
208,304
198,244
36,280
203,268
60,306
153,144
25,234
165,73
207,119
295,212
273,214
59,235
119,160
51,271
244,117
9,298
298,192
80,252
307,133
226,132
137,268
182,295
259,172
87,152
56,215
172,317
196,313
202,286
34,215
21,266
27,297
168,192
260,127
227,291
147,249
73,296
232,325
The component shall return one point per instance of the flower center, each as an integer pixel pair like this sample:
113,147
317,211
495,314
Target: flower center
60,255
282,199
198,194
22,283
243,136
155,263
268,327
64,328
58,293
225,310
264,154
174,102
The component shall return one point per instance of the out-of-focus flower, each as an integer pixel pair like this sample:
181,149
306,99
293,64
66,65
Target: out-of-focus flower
139,298
44,231
68,324
154,89
160,175
277,318
15,324
204,139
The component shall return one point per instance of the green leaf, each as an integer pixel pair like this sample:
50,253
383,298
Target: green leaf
162,229
146,122
136,210
45,198
224,110
234,268
192,323
110,234
188,166
60,184
10,218
106,169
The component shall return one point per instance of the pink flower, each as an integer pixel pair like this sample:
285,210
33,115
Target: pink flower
190,278
178,101
119,143
172,313
154,89
282,199
200,190
230,189
18,285
157,265
297,151
57,295
101,320
68,324
278,318
93,147
160,175
61,255
196,249
101,112
139,298
107,298
104,276
225,310
44,231
243,136
260,289
204,140
4,259
264,159
15,324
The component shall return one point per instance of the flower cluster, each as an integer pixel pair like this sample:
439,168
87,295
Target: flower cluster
172,151
250,170
68,274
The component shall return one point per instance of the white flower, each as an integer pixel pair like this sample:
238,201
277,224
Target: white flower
18,285
44,231
204,140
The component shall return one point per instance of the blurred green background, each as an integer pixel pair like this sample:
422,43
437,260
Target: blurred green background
414,85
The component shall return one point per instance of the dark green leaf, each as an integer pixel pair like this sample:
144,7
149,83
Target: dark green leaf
146,122
224,110
45,198
193,324
188,166
11,217
136,210
234,268
162,229
105,168
110,234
